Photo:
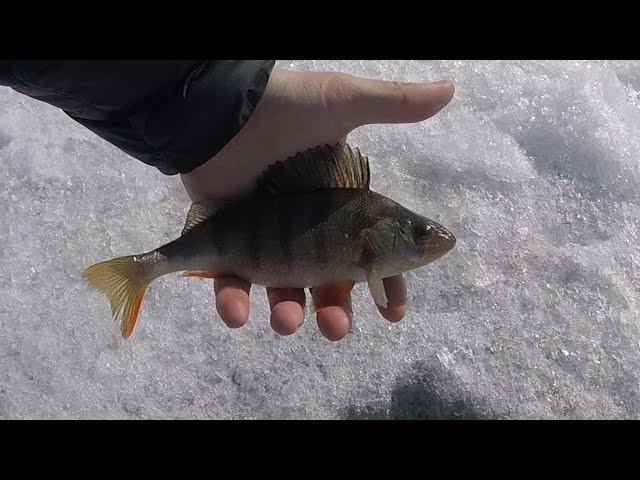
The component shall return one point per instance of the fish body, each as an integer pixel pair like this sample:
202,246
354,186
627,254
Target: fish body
312,222
300,240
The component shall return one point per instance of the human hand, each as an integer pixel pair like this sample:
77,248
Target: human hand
299,110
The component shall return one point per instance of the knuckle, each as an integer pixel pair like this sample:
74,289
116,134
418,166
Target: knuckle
341,94
398,92
340,86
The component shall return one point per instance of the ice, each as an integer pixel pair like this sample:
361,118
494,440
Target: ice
534,314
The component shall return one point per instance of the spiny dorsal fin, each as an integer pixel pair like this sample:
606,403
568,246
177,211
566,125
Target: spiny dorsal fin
318,168
201,211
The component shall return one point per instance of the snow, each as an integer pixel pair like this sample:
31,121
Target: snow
534,166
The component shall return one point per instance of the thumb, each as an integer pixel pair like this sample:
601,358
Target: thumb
376,101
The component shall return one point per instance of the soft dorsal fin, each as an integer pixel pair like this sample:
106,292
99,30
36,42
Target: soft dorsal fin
318,168
199,212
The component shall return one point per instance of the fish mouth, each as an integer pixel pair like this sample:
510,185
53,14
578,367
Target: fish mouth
443,237
440,243
447,238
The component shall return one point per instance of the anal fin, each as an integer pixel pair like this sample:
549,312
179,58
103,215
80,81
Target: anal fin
200,273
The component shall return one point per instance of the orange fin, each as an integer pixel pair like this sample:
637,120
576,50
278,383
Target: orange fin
199,273
333,294
129,322
124,283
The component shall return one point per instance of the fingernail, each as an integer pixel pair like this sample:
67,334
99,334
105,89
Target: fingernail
443,82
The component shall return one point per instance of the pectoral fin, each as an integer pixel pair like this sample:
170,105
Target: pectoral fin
376,287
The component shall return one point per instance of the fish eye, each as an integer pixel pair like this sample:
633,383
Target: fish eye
422,230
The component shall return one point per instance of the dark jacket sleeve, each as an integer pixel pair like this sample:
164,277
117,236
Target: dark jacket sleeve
174,115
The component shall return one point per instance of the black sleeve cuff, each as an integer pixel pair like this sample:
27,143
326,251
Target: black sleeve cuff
203,115
174,115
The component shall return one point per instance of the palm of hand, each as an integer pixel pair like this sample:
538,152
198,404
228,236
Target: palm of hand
299,110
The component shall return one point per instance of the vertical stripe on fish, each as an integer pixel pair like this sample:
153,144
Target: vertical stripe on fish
320,239
285,219
256,233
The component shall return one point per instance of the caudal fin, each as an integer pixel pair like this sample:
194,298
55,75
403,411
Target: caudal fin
122,280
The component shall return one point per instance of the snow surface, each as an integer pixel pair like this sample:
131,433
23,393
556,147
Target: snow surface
534,166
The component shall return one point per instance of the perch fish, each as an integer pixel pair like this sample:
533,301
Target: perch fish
311,222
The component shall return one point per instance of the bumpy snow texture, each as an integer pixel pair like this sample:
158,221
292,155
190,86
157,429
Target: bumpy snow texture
536,168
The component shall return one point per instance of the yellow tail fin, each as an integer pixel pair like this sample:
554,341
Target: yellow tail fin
122,280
